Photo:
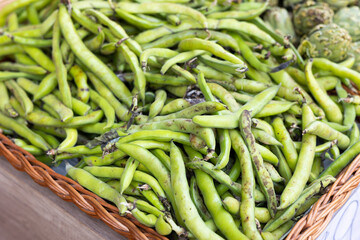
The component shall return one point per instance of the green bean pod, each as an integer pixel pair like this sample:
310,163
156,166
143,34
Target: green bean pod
46,86
158,104
262,175
230,121
105,106
265,138
132,60
5,105
154,165
324,131
302,171
115,172
98,187
29,148
290,212
127,174
194,110
20,95
223,178
90,60
24,132
247,207
214,48
39,118
8,66
11,7
332,111
186,207
223,220
179,125
283,136
240,15
169,8
174,106
80,79
63,112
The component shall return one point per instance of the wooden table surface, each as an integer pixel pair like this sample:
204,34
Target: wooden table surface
29,211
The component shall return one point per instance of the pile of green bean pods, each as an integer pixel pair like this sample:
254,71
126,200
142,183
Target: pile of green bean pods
193,116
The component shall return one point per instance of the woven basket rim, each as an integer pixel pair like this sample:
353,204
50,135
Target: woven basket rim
309,226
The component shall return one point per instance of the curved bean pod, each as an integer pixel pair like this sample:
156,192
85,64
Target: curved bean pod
80,79
128,174
175,106
194,110
43,120
231,121
262,175
187,209
290,212
5,105
115,172
223,220
11,7
24,132
283,136
302,171
214,48
247,207
64,112
9,66
98,187
169,8
20,95
324,131
222,177
158,52
172,39
46,86
158,104
179,125
180,58
70,140
90,60
332,111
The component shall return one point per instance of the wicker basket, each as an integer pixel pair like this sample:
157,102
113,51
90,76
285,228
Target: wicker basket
308,227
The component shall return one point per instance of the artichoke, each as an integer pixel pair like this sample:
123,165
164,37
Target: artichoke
336,4
280,21
329,41
310,14
355,50
349,18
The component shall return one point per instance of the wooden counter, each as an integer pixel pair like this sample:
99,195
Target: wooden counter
29,211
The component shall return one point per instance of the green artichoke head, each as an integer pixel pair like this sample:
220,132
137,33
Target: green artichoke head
280,21
355,51
337,4
349,18
310,14
329,41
